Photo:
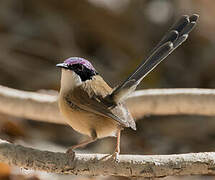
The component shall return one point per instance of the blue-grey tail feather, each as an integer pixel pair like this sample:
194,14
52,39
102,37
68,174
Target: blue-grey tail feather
177,34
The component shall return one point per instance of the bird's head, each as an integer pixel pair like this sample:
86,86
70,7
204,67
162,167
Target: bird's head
80,66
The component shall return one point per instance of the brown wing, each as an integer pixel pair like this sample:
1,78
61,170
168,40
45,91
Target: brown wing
91,99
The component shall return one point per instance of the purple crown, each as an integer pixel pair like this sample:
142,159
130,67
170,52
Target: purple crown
78,60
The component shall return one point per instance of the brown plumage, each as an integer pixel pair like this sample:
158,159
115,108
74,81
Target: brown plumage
94,113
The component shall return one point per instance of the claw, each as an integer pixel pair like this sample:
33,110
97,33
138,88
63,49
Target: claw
115,156
71,153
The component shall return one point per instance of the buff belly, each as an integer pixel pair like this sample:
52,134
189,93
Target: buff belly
88,123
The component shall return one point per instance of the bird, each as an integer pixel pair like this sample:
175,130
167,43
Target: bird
91,107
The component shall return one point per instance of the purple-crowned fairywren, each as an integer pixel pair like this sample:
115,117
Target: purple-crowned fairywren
92,107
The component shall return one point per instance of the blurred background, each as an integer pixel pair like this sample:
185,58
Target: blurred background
115,35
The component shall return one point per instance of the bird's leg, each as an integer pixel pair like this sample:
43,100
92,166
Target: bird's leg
117,150
84,143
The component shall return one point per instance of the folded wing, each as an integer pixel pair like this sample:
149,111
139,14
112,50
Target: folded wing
89,97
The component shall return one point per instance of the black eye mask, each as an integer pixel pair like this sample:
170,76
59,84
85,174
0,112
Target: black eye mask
82,71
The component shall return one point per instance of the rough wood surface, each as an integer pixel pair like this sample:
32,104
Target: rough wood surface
101,164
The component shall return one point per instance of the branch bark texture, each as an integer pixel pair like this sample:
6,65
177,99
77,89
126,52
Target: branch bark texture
102,164
43,107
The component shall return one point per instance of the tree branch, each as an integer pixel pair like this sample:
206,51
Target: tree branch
101,164
43,107
190,101
30,105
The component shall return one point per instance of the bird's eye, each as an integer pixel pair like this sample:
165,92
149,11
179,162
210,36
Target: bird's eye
80,67
70,66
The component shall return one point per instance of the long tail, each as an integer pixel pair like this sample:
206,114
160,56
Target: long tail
177,34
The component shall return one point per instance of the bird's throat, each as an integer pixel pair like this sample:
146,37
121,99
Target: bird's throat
69,80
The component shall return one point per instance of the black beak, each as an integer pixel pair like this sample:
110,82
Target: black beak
62,65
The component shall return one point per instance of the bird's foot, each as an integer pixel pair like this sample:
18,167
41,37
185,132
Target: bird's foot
115,156
70,152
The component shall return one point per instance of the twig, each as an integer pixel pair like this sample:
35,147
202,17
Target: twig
101,164
43,107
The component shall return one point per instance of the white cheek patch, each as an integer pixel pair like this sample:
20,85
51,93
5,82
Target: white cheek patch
69,80
76,78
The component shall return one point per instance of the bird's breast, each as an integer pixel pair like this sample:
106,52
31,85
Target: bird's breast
86,122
